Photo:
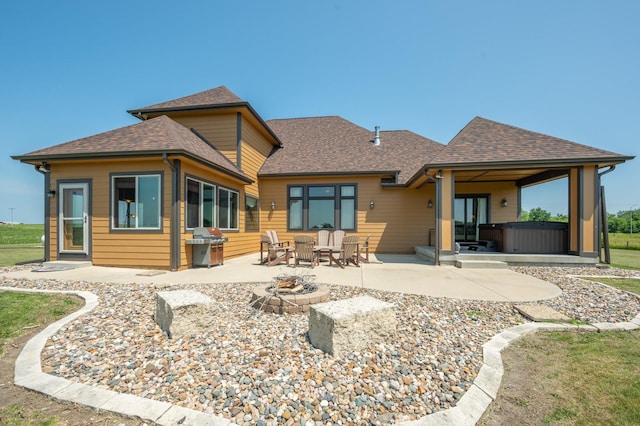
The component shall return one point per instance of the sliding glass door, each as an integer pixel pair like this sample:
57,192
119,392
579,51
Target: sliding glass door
469,212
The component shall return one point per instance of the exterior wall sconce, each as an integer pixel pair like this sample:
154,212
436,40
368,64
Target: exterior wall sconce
273,205
372,204
51,193
505,203
430,204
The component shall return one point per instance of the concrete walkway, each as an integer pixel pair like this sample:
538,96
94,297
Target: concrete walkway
406,273
401,273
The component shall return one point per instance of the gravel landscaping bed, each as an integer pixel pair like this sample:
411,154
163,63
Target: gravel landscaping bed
258,368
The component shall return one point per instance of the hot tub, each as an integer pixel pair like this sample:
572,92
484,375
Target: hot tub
527,237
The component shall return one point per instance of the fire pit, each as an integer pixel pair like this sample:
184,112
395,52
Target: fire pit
289,294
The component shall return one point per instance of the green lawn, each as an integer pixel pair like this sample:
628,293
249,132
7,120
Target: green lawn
631,285
21,311
21,234
625,241
625,259
20,243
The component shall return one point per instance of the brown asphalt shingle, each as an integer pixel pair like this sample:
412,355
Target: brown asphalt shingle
152,137
217,96
488,141
333,145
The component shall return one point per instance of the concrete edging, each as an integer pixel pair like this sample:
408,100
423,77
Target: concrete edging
468,411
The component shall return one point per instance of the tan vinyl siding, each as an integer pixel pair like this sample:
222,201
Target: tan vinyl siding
497,192
399,221
219,129
239,243
135,248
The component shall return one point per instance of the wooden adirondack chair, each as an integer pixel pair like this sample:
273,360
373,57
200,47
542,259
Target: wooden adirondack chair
304,250
348,252
364,248
276,253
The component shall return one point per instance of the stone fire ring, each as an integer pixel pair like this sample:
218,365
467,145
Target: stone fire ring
289,303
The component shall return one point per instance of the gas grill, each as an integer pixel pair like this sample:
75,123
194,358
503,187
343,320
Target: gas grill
207,247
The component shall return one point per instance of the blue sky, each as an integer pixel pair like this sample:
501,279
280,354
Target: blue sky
71,69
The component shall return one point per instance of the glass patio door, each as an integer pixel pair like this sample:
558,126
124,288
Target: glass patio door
469,212
73,231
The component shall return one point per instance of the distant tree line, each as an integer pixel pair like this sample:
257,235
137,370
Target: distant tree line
621,222
618,222
538,214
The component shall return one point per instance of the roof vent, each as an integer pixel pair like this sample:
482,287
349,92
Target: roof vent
376,139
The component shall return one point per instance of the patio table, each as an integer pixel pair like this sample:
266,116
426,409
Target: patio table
326,251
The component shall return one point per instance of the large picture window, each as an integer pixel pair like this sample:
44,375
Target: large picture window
136,202
201,204
312,207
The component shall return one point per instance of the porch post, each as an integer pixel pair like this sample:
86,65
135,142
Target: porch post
445,194
583,211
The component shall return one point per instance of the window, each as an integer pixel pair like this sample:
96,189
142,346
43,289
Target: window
251,213
201,204
313,207
228,209
136,202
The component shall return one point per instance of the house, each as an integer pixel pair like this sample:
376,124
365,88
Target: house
133,196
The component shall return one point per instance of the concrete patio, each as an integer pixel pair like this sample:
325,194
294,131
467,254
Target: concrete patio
402,273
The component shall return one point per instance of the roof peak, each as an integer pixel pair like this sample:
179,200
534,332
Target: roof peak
217,96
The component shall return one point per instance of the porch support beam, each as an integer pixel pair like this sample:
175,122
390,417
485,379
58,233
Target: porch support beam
542,177
584,188
445,227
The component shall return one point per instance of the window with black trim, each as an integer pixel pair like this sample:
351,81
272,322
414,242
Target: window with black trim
251,213
201,204
136,202
312,207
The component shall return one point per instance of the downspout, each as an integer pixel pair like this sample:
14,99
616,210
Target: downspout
174,231
435,180
47,213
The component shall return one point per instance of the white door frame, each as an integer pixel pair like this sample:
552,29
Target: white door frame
72,213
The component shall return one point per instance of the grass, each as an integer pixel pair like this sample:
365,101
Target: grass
21,234
13,416
631,285
625,259
20,243
625,241
20,312
601,375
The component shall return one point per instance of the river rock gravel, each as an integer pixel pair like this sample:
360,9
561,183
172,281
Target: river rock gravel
256,368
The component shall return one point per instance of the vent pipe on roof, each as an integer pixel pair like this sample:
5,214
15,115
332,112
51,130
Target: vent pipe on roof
376,139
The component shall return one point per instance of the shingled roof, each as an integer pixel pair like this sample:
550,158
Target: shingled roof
485,141
209,98
332,146
156,136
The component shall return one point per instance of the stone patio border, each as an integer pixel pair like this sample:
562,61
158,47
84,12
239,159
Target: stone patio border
468,411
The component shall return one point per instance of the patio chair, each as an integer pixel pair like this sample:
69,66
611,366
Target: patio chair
304,250
273,236
276,253
364,248
348,252
323,238
336,238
